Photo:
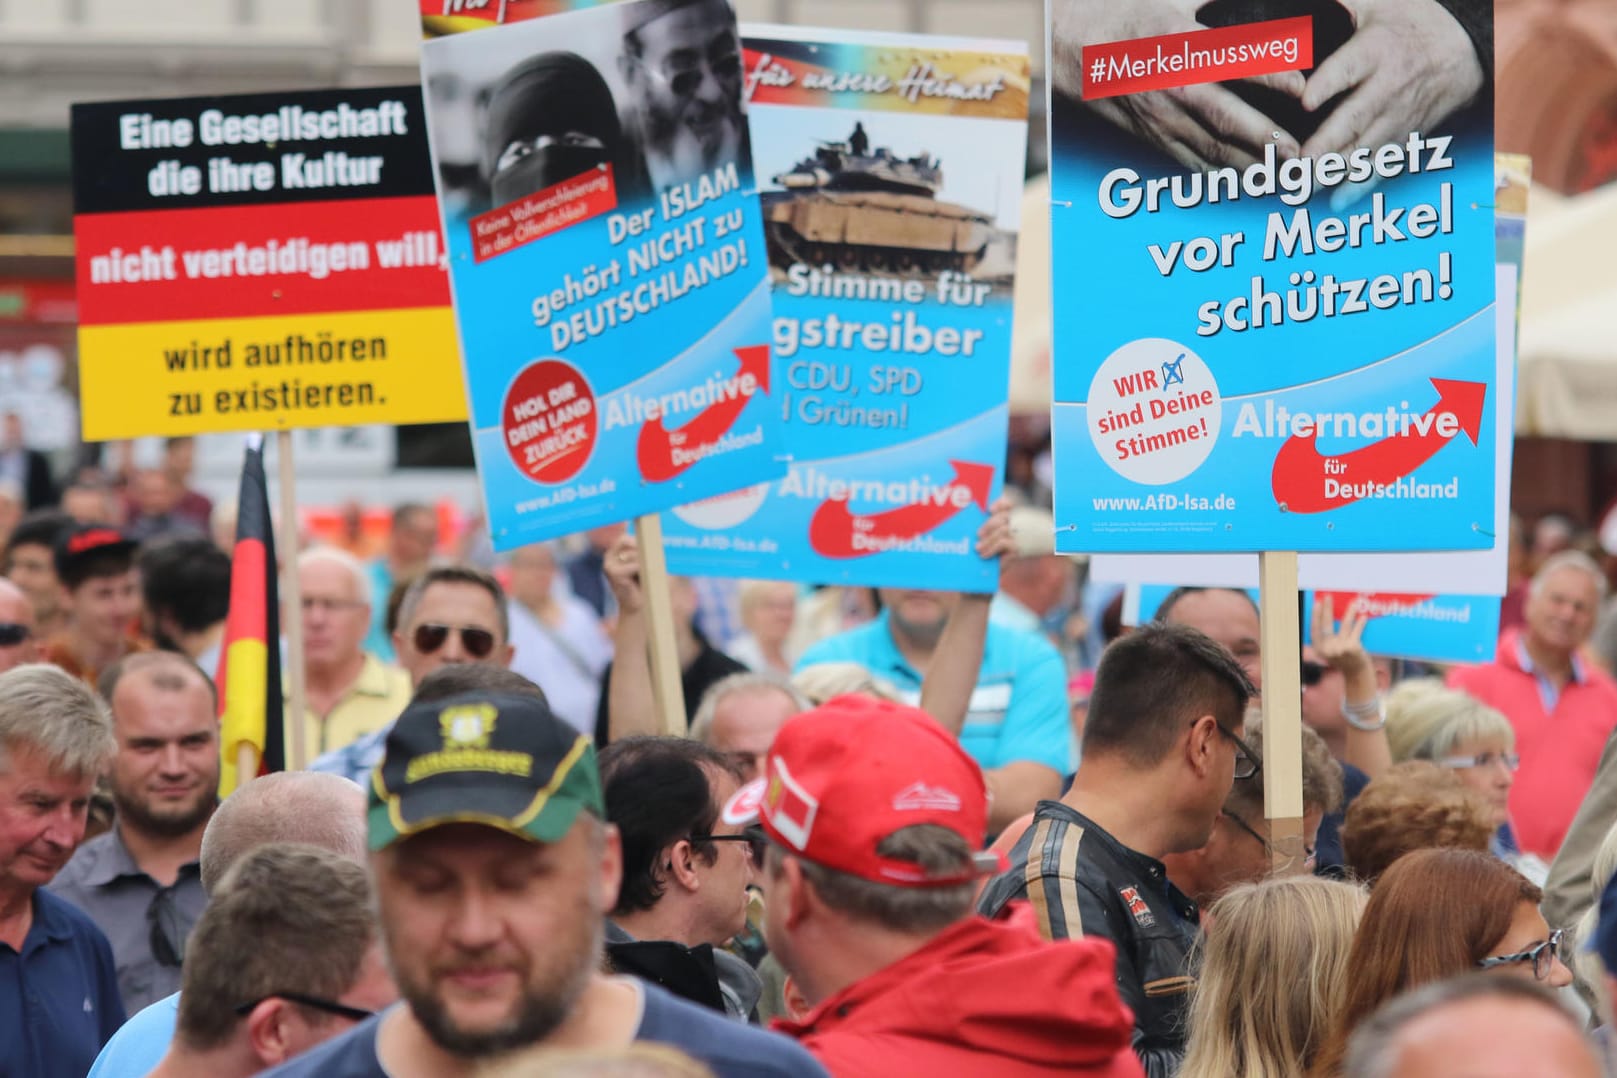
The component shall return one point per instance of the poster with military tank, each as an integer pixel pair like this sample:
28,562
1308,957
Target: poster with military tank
889,168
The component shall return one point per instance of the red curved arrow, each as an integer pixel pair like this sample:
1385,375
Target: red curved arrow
832,528
656,446
1300,473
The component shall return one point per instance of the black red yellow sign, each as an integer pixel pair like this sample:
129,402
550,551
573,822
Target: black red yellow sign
260,261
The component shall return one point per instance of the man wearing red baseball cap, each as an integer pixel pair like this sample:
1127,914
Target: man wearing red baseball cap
875,817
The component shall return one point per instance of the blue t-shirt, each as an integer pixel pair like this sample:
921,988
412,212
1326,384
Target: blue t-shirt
730,1049
1018,711
140,1043
59,999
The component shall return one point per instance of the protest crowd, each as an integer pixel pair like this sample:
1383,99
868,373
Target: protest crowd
752,728
909,831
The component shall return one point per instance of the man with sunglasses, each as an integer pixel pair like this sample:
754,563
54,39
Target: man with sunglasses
141,882
682,64
1161,749
286,956
451,614
685,873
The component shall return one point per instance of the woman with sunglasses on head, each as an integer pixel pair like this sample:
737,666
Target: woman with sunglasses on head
1271,974
1437,914
1428,721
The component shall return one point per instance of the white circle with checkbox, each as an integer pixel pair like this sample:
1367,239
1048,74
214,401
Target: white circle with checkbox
1154,411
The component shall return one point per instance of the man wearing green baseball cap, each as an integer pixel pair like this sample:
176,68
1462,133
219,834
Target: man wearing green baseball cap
494,869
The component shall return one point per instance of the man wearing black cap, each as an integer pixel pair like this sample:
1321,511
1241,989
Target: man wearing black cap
494,870
682,63
100,592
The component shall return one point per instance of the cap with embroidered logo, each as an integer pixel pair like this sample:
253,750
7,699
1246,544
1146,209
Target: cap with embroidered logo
495,759
846,775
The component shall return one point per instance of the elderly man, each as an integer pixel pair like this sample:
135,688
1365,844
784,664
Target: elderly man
300,807
451,614
141,881
1036,585
493,882
1562,708
740,716
682,64
350,691
286,957
59,997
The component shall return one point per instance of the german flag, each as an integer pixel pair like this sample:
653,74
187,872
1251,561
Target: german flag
250,662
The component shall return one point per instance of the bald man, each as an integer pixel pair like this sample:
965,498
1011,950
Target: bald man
289,806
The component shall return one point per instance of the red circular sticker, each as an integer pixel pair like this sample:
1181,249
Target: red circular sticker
550,422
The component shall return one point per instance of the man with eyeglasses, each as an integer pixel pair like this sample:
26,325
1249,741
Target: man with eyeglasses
286,956
1239,850
349,691
685,873
141,882
682,64
1161,749
451,614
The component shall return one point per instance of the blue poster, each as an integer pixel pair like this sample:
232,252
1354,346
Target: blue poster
1431,628
607,259
891,171
1273,270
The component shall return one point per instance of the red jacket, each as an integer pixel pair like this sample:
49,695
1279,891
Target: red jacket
989,999
1560,750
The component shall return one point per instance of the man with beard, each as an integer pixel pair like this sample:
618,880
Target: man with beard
141,882
682,63
1015,725
494,869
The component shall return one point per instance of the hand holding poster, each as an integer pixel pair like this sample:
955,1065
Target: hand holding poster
259,261
607,262
1275,247
891,168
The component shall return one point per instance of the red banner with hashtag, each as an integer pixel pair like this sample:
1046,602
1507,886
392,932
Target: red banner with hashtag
1115,68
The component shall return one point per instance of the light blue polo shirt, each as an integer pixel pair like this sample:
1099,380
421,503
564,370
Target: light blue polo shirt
1018,711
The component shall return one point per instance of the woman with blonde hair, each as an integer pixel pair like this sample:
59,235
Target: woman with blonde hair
1426,720
1273,975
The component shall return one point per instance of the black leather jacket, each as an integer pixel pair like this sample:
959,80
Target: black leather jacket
1083,882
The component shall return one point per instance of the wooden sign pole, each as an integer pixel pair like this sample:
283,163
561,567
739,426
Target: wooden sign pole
292,605
1282,708
667,688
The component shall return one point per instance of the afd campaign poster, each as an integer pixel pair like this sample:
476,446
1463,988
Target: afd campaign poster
890,169
259,261
607,261
1274,252
1423,626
